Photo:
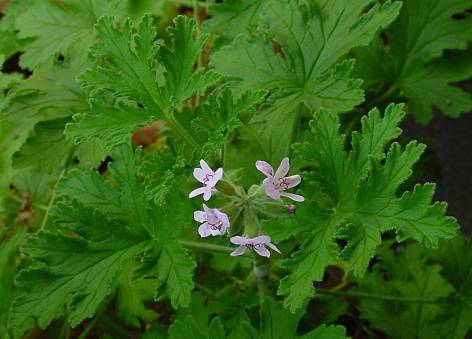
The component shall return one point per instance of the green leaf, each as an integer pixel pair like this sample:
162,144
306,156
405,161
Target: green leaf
55,27
150,80
456,260
327,332
415,63
77,271
50,93
233,17
131,296
175,273
102,226
47,148
360,199
160,171
407,275
220,116
306,70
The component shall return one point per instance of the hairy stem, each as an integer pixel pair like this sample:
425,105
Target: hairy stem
206,247
182,132
360,295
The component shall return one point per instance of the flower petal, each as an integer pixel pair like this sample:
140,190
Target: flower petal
262,251
239,251
199,174
293,180
196,192
262,239
294,197
265,168
205,167
199,216
283,169
237,240
204,230
216,232
271,190
223,217
206,193
273,247
217,177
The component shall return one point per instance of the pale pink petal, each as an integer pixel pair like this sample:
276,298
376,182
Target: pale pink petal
217,177
223,229
272,246
262,239
196,192
265,168
270,188
294,197
215,232
206,193
199,174
293,180
237,240
205,167
283,169
199,216
204,230
262,251
206,209
223,217
239,251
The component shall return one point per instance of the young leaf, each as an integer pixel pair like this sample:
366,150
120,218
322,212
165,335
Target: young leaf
221,115
362,189
412,63
307,70
126,55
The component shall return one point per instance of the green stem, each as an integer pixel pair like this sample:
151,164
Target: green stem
375,297
39,206
182,132
205,246
51,202
204,289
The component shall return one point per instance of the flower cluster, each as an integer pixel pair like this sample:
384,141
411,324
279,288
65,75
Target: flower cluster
215,222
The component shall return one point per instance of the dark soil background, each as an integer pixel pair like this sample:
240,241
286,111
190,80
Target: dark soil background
448,161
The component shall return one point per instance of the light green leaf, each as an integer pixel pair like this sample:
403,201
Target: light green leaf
359,199
149,80
305,69
233,17
47,148
55,27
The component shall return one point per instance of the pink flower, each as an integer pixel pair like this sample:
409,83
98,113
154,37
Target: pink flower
208,178
276,184
214,222
257,244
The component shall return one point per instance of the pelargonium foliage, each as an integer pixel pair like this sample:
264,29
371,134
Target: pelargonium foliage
234,169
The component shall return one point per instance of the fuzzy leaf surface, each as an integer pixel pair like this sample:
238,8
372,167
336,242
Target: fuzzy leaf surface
361,188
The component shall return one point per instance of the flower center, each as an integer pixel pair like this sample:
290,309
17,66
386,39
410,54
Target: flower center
253,246
214,227
283,183
207,179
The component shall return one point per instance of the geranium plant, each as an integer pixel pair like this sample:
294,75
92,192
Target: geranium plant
235,169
